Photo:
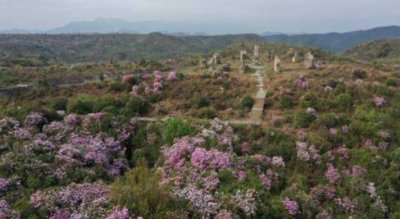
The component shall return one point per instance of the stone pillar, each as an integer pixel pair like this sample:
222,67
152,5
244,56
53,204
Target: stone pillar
243,54
295,58
277,64
256,53
309,61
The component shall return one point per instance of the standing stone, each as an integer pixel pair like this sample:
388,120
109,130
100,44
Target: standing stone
243,54
309,61
277,64
215,60
256,53
295,58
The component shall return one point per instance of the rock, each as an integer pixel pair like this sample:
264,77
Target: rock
309,61
277,64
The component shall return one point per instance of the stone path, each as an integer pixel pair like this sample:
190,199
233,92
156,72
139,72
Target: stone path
259,98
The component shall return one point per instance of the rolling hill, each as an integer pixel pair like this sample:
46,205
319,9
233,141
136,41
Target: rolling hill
337,42
380,49
73,48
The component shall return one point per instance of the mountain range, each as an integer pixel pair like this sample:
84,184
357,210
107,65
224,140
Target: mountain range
335,42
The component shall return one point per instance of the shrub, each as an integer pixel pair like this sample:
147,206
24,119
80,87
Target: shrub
359,73
391,83
200,102
328,120
140,192
176,128
59,104
286,102
135,106
206,113
344,101
247,102
104,102
309,100
116,86
81,105
302,119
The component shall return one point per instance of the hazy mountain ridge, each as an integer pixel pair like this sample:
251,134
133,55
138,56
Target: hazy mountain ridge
337,42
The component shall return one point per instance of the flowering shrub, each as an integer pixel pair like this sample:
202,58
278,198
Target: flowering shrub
379,101
119,214
171,76
76,200
332,174
291,206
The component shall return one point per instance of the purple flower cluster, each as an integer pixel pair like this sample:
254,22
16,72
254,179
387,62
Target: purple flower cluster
346,204
119,214
246,200
332,174
6,211
356,171
171,76
75,199
200,199
379,101
84,149
306,153
291,206
302,83
4,184
201,159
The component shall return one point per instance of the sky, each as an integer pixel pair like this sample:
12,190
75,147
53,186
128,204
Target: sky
289,16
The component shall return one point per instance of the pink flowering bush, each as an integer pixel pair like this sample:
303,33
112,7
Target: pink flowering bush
81,200
291,206
172,76
379,101
4,183
119,214
332,174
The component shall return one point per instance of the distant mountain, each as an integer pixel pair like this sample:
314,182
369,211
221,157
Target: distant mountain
380,49
19,31
336,42
111,25
74,48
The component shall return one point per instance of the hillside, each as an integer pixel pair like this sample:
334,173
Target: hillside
381,49
337,42
75,48
324,143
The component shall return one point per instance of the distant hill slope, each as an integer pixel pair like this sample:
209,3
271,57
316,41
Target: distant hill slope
337,42
381,49
75,48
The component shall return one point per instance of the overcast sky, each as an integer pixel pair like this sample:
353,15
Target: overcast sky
258,15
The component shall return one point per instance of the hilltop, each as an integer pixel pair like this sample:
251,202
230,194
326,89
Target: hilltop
337,42
380,49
